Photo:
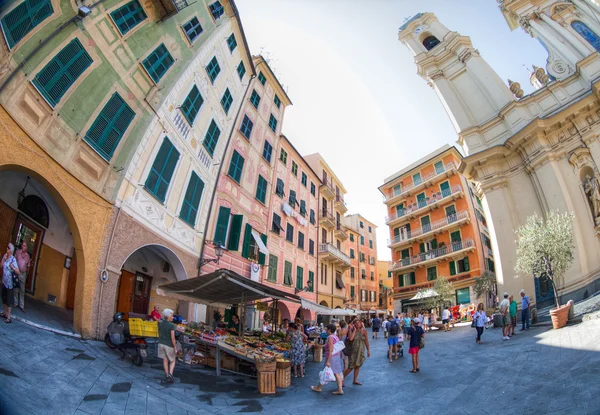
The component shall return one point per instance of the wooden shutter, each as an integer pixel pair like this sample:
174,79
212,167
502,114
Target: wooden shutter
434,244
445,188
247,241
422,247
162,170
158,62
24,18
235,233
109,127
272,272
413,279
261,256
401,280
299,278
62,71
222,226
287,273
455,236
211,138
452,268
191,105
191,201
466,263
128,16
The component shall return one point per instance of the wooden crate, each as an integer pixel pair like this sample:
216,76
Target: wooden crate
266,383
228,362
283,377
211,362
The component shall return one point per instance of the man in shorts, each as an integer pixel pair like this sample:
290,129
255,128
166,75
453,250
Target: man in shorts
376,322
167,346
504,311
446,315
393,329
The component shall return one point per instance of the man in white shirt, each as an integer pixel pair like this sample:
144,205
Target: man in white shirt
384,327
446,318
504,310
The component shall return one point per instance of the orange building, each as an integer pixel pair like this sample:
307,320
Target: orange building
437,228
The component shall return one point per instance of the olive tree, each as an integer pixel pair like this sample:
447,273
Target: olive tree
443,291
546,246
485,286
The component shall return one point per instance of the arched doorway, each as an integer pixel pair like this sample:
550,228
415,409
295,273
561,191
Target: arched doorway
34,218
284,312
145,269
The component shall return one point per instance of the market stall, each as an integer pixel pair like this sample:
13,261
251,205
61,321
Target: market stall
206,345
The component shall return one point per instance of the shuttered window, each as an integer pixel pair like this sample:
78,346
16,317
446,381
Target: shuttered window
128,16
246,127
222,226
287,273
158,63
255,98
109,127
267,151
241,70
452,268
191,201
193,29
211,138
311,247
235,233
226,101
213,69
312,216
62,71
24,18
261,189
277,101
247,241
273,123
301,240
299,278
231,42
262,78
261,256
216,10
191,105
272,272
311,281
162,170
280,188
431,273
236,166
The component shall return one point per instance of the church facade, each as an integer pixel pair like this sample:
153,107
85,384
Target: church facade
526,153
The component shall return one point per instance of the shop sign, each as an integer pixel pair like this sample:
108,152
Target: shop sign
262,306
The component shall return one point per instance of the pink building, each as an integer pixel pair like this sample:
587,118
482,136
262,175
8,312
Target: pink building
293,230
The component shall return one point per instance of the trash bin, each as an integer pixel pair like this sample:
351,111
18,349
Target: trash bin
497,320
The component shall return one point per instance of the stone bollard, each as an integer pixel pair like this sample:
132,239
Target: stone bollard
571,305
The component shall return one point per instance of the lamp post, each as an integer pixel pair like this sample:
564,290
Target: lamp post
219,250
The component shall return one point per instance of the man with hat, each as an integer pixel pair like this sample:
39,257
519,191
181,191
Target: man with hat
504,310
415,334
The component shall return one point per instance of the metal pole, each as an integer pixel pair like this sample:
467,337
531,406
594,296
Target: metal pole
242,311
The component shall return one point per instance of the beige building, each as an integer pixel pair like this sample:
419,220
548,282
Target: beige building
332,246
526,153
362,283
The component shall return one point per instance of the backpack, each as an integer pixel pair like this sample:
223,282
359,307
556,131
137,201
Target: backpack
394,328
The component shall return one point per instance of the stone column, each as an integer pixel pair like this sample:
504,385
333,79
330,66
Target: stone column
108,300
572,56
584,49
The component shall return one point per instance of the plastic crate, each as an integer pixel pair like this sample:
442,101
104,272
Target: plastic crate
141,328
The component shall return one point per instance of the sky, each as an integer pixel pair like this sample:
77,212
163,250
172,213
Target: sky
357,98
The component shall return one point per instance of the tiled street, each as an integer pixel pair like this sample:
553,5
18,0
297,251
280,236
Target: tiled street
539,371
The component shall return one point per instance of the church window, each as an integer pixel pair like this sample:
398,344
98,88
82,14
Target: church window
430,42
588,34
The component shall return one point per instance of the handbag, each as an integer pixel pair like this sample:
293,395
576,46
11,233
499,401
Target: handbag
473,322
15,280
337,348
422,343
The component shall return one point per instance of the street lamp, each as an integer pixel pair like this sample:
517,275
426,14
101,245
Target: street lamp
219,250
21,194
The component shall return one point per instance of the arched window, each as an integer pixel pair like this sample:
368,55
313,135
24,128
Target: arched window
588,34
34,207
430,42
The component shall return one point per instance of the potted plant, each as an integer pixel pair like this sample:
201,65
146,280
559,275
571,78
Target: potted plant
546,246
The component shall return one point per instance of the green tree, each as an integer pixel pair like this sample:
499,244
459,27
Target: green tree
546,246
443,293
484,286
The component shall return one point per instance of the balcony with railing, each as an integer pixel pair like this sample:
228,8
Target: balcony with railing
407,237
410,189
340,232
326,219
327,189
435,255
340,203
488,252
168,8
428,203
329,253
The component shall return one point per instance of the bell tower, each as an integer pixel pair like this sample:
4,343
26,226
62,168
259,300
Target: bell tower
468,87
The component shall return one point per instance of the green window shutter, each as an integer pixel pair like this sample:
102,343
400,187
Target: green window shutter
222,226
439,167
211,138
352,292
193,29
311,281
236,232
405,253
452,268
109,127
255,98
55,79
247,240
24,18
231,42
466,263
246,127
277,101
236,166
261,256
272,123
158,62
216,10
272,272
422,247
261,189
262,78
434,244
162,170
413,279
226,101
287,273
241,70
445,189
213,69
191,201
191,105
299,278
455,236
401,280
128,16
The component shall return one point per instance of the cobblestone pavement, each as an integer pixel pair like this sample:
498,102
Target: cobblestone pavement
538,371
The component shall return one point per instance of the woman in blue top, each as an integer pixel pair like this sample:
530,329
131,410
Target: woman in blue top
9,265
480,319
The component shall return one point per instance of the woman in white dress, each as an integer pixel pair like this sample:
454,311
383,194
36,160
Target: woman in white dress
426,321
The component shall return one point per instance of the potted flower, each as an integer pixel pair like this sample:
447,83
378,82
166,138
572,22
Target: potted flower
546,247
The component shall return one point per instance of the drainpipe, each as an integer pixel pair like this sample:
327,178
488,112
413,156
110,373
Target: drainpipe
214,192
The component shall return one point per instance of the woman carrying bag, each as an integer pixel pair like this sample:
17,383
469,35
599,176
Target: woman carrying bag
480,318
9,267
334,360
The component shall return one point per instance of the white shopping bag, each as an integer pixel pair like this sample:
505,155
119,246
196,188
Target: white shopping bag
326,375
338,347
401,338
